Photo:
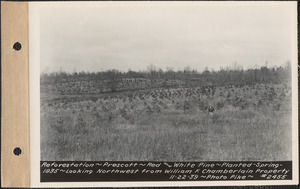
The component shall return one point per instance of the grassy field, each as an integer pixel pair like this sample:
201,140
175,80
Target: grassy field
249,123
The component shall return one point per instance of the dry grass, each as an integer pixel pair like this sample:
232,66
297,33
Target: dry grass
170,135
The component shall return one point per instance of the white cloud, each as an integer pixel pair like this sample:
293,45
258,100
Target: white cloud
94,39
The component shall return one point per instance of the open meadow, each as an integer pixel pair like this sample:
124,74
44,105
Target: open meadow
250,122
168,82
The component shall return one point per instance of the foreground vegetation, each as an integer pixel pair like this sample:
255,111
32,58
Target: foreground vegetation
250,122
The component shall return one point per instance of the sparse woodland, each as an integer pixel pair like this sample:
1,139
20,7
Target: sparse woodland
159,115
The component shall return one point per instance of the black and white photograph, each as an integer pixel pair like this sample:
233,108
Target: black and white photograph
167,82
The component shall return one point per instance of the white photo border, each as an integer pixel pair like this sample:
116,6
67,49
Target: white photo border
35,8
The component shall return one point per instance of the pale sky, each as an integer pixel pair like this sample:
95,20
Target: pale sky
95,38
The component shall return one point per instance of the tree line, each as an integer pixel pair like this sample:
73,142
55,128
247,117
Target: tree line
229,75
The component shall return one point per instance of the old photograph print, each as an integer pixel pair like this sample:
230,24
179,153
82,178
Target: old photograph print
166,83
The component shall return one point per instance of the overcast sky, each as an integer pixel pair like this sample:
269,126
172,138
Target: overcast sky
95,38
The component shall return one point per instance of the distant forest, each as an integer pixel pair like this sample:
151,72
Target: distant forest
230,75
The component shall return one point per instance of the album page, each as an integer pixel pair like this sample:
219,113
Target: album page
127,94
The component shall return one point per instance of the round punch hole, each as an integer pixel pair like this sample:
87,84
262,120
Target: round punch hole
17,46
17,151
